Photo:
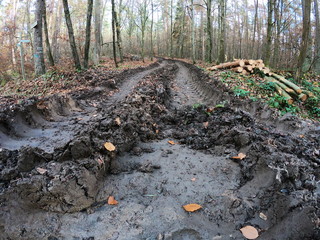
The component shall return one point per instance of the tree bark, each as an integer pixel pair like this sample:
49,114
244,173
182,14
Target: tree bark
222,49
114,34
209,31
305,38
119,40
71,35
56,32
88,34
38,45
267,52
316,65
193,34
97,31
45,25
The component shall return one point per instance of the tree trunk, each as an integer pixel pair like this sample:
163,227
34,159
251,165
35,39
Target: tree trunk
45,25
305,38
71,35
56,32
209,31
193,34
222,49
256,4
97,31
114,34
316,65
119,40
38,45
151,32
267,52
88,34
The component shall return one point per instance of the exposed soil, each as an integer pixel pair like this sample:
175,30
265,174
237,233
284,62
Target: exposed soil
56,175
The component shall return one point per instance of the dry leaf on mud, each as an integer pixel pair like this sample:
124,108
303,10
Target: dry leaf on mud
112,201
192,207
249,232
118,121
240,156
109,146
263,216
41,170
205,124
171,142
193,179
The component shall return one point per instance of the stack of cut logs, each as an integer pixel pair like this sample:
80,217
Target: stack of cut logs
283,86
243,66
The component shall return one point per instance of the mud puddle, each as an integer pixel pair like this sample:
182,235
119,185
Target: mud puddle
61,191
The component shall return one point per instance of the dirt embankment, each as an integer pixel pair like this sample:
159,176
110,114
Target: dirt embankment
54,167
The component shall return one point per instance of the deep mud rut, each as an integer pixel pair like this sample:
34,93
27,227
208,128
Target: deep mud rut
56,175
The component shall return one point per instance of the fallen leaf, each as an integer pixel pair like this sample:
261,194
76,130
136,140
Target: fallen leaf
172,142
249,232
301,136
41,170
263,216
193,179
109,146
240,156
118,121
192,207
157,131
205,124
112,201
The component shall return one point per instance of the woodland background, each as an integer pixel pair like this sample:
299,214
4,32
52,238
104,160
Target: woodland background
284,33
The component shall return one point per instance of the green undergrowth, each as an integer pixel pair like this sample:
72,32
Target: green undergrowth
255,88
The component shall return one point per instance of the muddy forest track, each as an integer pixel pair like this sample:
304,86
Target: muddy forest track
56,175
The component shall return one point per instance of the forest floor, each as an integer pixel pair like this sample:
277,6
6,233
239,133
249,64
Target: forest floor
155,139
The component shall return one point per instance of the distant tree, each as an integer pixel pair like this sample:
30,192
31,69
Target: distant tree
316,64
306,6
209,43
114,33
88,34
222,35
45,25
71,35
267,51
97,31
38,45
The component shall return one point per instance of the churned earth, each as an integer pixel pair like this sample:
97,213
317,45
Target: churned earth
176,131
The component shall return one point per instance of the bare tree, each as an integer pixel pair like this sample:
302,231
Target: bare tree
267,51
114,34
316,60
97,31
88,34
45,25
208,4
222,35
71,35
38,45
305,37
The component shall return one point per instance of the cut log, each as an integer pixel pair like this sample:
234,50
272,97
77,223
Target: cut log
280,87
310,94
248,68
259,61
265,70
288,83
237,69
245,72
303,97
238,63
280,84
250,62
